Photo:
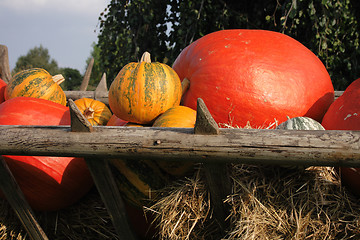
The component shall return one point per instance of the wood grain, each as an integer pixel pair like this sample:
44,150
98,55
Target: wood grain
250,146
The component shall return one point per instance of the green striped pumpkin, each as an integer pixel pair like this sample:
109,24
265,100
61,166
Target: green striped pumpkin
36,83
300,123
142,91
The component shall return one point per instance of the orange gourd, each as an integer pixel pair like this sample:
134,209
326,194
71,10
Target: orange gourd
254,76
36,83
48,183
181,117
95,111
142,91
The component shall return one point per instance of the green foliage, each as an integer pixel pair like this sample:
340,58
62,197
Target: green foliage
328,28
37,57
73,79
130,28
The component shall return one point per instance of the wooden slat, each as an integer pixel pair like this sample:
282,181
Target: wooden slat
103,179
251,146
100,96
216,173
86,79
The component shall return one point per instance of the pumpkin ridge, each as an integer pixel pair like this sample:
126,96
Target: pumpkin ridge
128,87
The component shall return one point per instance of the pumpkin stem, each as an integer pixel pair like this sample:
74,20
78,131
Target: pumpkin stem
185,86
58,78
145,57
89,113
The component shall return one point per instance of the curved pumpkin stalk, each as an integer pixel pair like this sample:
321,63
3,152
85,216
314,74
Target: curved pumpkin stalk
58,79
145,57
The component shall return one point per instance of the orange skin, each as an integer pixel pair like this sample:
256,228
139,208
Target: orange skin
48,183
256,76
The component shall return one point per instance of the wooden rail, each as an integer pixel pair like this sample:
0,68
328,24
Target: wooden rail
250,146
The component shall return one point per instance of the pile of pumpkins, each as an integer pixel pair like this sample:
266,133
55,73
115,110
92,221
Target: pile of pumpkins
245,77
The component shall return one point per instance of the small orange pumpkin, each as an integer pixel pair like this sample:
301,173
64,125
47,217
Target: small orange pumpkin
181,117
36,83
142,91
95,111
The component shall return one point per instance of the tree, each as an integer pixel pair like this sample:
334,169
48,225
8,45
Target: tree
328,28
37,57
72,77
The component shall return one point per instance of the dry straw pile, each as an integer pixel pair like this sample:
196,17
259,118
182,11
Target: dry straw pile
87,219
267,202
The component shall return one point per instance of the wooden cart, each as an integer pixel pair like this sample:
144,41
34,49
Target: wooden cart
206,143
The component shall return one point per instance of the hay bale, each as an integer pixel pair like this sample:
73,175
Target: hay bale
88,219
267,202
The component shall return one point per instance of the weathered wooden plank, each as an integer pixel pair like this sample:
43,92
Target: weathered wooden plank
338,93
86,79
217,175
100,96
110,195
251,146
17,201
103,178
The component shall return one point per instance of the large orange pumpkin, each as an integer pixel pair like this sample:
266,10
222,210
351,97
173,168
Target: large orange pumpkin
142,91
344,114
95,111
36,83
254,76
48,183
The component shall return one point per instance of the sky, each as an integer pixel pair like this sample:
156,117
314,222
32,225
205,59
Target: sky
67,28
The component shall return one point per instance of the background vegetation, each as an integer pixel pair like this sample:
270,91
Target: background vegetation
38,57
330,28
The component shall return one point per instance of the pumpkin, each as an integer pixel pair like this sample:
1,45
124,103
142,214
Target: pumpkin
344,114
254,76
48,183
115,121
178,116
130,124
138,180
95,111
142,91
36,83
181,117
354,85
2,90
300,123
